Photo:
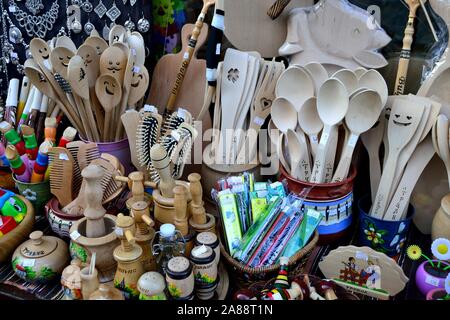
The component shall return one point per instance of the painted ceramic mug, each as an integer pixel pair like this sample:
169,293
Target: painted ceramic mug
382,235
429,278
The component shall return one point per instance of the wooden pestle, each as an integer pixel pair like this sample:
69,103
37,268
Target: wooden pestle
180,204
126,235
161,162
94,211
197,208
141,214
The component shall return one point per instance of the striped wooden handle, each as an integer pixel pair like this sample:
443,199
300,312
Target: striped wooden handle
277,8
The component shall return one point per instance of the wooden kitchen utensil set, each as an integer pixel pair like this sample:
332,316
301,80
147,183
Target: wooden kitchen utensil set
245,92
94,84
309,103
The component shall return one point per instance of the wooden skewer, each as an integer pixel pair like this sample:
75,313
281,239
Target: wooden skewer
405,55
188,56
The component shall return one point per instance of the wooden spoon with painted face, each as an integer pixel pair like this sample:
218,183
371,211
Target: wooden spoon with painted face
113,62
332,105
59,58
309,121
363,112
405,118
139,84
109,93
98,43
66,42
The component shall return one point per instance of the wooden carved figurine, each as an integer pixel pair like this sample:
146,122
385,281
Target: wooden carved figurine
144,233
94,212
128,256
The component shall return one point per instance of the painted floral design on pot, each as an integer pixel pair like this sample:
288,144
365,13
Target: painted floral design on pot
28,273
174,291
30,194
373,235
78,252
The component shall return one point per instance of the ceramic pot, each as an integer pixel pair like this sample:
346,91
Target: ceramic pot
180,278
436,294
37,193
71,281
382,235
40,259
334,200
10,241
440,227
105,292
59,221
82,247
429,278
151,286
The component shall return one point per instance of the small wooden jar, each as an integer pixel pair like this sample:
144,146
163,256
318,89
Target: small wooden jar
151,286
89,282
205,271
211,240
180,278
71,281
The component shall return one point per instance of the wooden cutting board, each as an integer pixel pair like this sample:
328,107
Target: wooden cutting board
247,25
192,91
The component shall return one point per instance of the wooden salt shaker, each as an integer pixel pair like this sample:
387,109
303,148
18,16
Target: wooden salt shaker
209,239
128,256
180,278
144,233
94,212
205,271
89,282
151,286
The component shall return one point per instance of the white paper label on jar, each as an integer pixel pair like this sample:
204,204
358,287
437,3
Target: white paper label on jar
28,263
432,280
75,235
119,231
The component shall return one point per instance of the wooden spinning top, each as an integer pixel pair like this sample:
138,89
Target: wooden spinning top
94,212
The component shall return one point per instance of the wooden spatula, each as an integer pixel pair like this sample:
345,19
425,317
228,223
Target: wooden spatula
403,123
61,174
416,164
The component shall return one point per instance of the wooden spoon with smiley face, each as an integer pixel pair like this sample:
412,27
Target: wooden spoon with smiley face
113,62
139,84
59,58
91,61
98,43
109,93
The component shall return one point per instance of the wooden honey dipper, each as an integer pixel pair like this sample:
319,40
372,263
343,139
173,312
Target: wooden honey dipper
94,212
180,205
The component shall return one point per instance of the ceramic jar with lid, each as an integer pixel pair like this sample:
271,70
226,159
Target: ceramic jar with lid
211,240
106,292
205,271
40,259
151,286
71,281
180,278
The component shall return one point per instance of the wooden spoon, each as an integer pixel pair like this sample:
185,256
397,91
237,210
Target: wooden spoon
139,84
284,115
359,72
136,43
363,112
295,84
117,33
318,73
78,79
332,105
309,121
348,78
280,150
299,155
113,61
98,43
59,58
373,80
109,93
66,42
405,118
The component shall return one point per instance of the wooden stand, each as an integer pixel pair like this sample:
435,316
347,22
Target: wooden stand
144,233
128,256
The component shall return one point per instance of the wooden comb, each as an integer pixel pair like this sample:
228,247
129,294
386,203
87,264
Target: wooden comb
87,153
111,187
74,148
61,174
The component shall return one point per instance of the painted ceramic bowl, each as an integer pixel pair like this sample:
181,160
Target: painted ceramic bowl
59,221
40,259
429,278
382,235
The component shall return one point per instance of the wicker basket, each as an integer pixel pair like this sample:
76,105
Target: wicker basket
244,276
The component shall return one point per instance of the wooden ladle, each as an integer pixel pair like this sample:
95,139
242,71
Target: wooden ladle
284,115
363,112
332,105
109,93
309,121
296,85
